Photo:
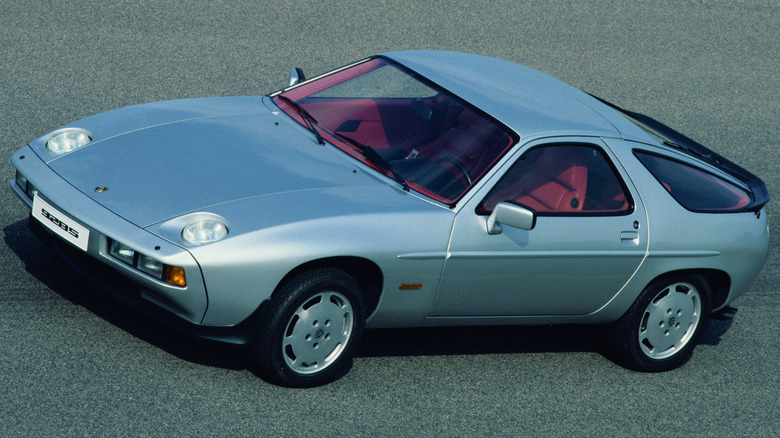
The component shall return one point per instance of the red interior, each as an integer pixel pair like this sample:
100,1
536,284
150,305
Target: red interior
445,144
561,179
555,181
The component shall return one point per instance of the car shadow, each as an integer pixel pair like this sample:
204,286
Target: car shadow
430,341
444,341
42,264
716,329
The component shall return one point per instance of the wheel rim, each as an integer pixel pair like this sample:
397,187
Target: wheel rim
318,332
670,321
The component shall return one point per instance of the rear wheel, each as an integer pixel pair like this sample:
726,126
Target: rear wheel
663,326
313,326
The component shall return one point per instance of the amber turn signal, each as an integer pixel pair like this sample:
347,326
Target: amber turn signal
175,275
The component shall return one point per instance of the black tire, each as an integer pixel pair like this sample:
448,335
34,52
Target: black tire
662,327
312,327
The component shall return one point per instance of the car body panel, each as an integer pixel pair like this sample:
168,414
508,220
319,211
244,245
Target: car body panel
541,107
290,202
287,230
189,303
216,159
683,240
107,125
565,265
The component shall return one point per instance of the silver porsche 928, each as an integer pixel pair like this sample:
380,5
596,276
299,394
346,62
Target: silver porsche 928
408,189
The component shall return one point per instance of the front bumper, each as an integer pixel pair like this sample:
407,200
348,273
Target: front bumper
144,300
182,308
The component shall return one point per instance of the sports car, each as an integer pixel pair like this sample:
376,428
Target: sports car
408,189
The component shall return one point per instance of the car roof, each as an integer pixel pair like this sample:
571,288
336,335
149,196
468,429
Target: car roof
530,102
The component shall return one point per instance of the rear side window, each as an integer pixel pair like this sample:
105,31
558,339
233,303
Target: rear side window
695,189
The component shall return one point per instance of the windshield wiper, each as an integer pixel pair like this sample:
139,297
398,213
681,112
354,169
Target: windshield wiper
664,133
692,151
310,120
372,156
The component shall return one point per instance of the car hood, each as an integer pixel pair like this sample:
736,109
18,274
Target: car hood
166,159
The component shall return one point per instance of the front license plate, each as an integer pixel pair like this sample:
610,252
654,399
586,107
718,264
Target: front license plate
60,223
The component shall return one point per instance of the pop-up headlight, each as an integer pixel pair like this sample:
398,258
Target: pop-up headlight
204,231
67,139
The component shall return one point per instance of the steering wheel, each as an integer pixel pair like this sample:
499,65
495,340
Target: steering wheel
455,162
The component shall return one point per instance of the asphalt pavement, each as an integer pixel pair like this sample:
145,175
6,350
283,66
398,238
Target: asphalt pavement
73,363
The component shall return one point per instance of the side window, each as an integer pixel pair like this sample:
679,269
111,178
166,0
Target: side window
695,189
562,179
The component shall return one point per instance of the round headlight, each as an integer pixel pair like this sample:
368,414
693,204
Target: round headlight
68,139
204,231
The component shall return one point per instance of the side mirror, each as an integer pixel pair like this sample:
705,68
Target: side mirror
296,75
512,215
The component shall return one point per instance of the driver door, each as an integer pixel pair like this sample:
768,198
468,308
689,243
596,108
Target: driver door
589,237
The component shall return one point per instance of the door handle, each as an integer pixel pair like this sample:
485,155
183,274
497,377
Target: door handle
629,238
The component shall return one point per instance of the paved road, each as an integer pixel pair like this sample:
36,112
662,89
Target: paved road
72,364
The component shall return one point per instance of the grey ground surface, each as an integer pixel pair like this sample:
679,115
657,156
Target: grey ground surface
75,364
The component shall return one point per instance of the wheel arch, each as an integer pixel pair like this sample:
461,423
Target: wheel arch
718,281
365,272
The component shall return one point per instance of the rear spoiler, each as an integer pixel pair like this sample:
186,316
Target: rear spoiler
758,188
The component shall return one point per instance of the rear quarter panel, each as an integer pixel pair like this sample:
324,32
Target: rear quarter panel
735,243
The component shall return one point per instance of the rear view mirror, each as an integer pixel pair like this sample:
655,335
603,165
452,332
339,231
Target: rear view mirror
512,215
296,76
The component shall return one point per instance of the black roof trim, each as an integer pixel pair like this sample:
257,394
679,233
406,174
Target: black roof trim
692,147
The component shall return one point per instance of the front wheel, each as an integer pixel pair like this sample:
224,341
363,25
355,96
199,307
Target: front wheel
313,326
663,326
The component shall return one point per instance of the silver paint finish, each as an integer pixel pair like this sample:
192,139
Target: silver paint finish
734,243
566,265
528,101
290,201
216,159
189,303
289,230
510,215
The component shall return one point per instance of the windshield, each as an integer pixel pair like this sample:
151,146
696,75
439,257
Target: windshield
439,145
